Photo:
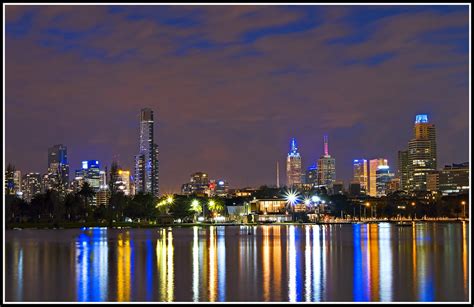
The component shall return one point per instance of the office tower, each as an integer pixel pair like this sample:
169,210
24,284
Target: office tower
383,178
17,183
402,169
326,168
373,166
122,181
31,186
90,173
338,187
421,153
146,162
10,180
312,175
293,165
198,184
360,173
393,185
58,167
454,178
103,180
432,181
222,188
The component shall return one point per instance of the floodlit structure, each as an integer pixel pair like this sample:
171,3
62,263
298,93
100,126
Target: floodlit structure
293,165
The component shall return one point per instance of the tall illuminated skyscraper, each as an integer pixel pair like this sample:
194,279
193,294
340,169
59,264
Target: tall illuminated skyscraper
402,171
421,153
373,166
383,179
326,168
360,173
293,165
146,162
58,167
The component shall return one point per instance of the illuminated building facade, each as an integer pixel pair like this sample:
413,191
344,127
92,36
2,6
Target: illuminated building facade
123,182
326,168
198,184
432,181
360,173
146,162
221,188
454,178
31,185
373,166
293,165
58,168
90,173
421,153
383,178
312,175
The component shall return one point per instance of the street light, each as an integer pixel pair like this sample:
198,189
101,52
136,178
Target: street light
367,204
463,203
413,205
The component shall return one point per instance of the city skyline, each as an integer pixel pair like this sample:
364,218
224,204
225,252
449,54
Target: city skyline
213,114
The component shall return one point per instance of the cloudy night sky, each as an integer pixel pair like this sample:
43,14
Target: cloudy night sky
230,85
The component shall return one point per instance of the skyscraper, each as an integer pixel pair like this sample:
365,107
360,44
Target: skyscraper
58,167
360,173
293,165
90,173
146,162
402,170
383,179
421,153
373,166
31,185
312,175
326,168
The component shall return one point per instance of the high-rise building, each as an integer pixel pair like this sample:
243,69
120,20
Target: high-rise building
326,168
454,178
293,165
373,166
421,153
10,180
402,169
146,162
354,188
360,173
90,173
17,183
123,181
58,167
383,179
312,175
198,184
221,188
338,187
31,185
432,181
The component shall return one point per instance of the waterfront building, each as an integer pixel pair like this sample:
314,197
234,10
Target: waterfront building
58,168
326,168
402,169
373,166
383,178
146,162
360,173
293,165
312,175
422,157
454,178
31,186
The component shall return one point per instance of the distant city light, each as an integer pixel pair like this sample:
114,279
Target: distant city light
315,198
421,118
307,201
292,197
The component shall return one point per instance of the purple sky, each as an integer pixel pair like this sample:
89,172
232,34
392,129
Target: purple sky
230,85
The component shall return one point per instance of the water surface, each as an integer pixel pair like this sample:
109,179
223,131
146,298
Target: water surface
368,262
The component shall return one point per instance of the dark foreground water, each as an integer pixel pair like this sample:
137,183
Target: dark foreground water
428,262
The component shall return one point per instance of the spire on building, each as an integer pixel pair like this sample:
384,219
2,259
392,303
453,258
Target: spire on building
326,146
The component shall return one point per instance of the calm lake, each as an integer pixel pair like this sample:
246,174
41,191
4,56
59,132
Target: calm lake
359,262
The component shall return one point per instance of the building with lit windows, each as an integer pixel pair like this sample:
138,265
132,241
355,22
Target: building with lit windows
326,168
360,173
198,184
312,175
373,166
31,186
402,169
123,181
454,178
58,168
146,162
422,157
293,165
90,173
383,178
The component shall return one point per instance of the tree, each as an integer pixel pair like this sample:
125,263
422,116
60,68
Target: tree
181,208
113,177
215,206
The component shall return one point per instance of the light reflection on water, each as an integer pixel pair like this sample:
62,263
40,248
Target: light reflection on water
359,262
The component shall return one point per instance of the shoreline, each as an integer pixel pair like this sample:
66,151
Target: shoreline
73,225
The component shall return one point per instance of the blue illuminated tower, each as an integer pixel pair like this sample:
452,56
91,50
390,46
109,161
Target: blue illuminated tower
293,165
